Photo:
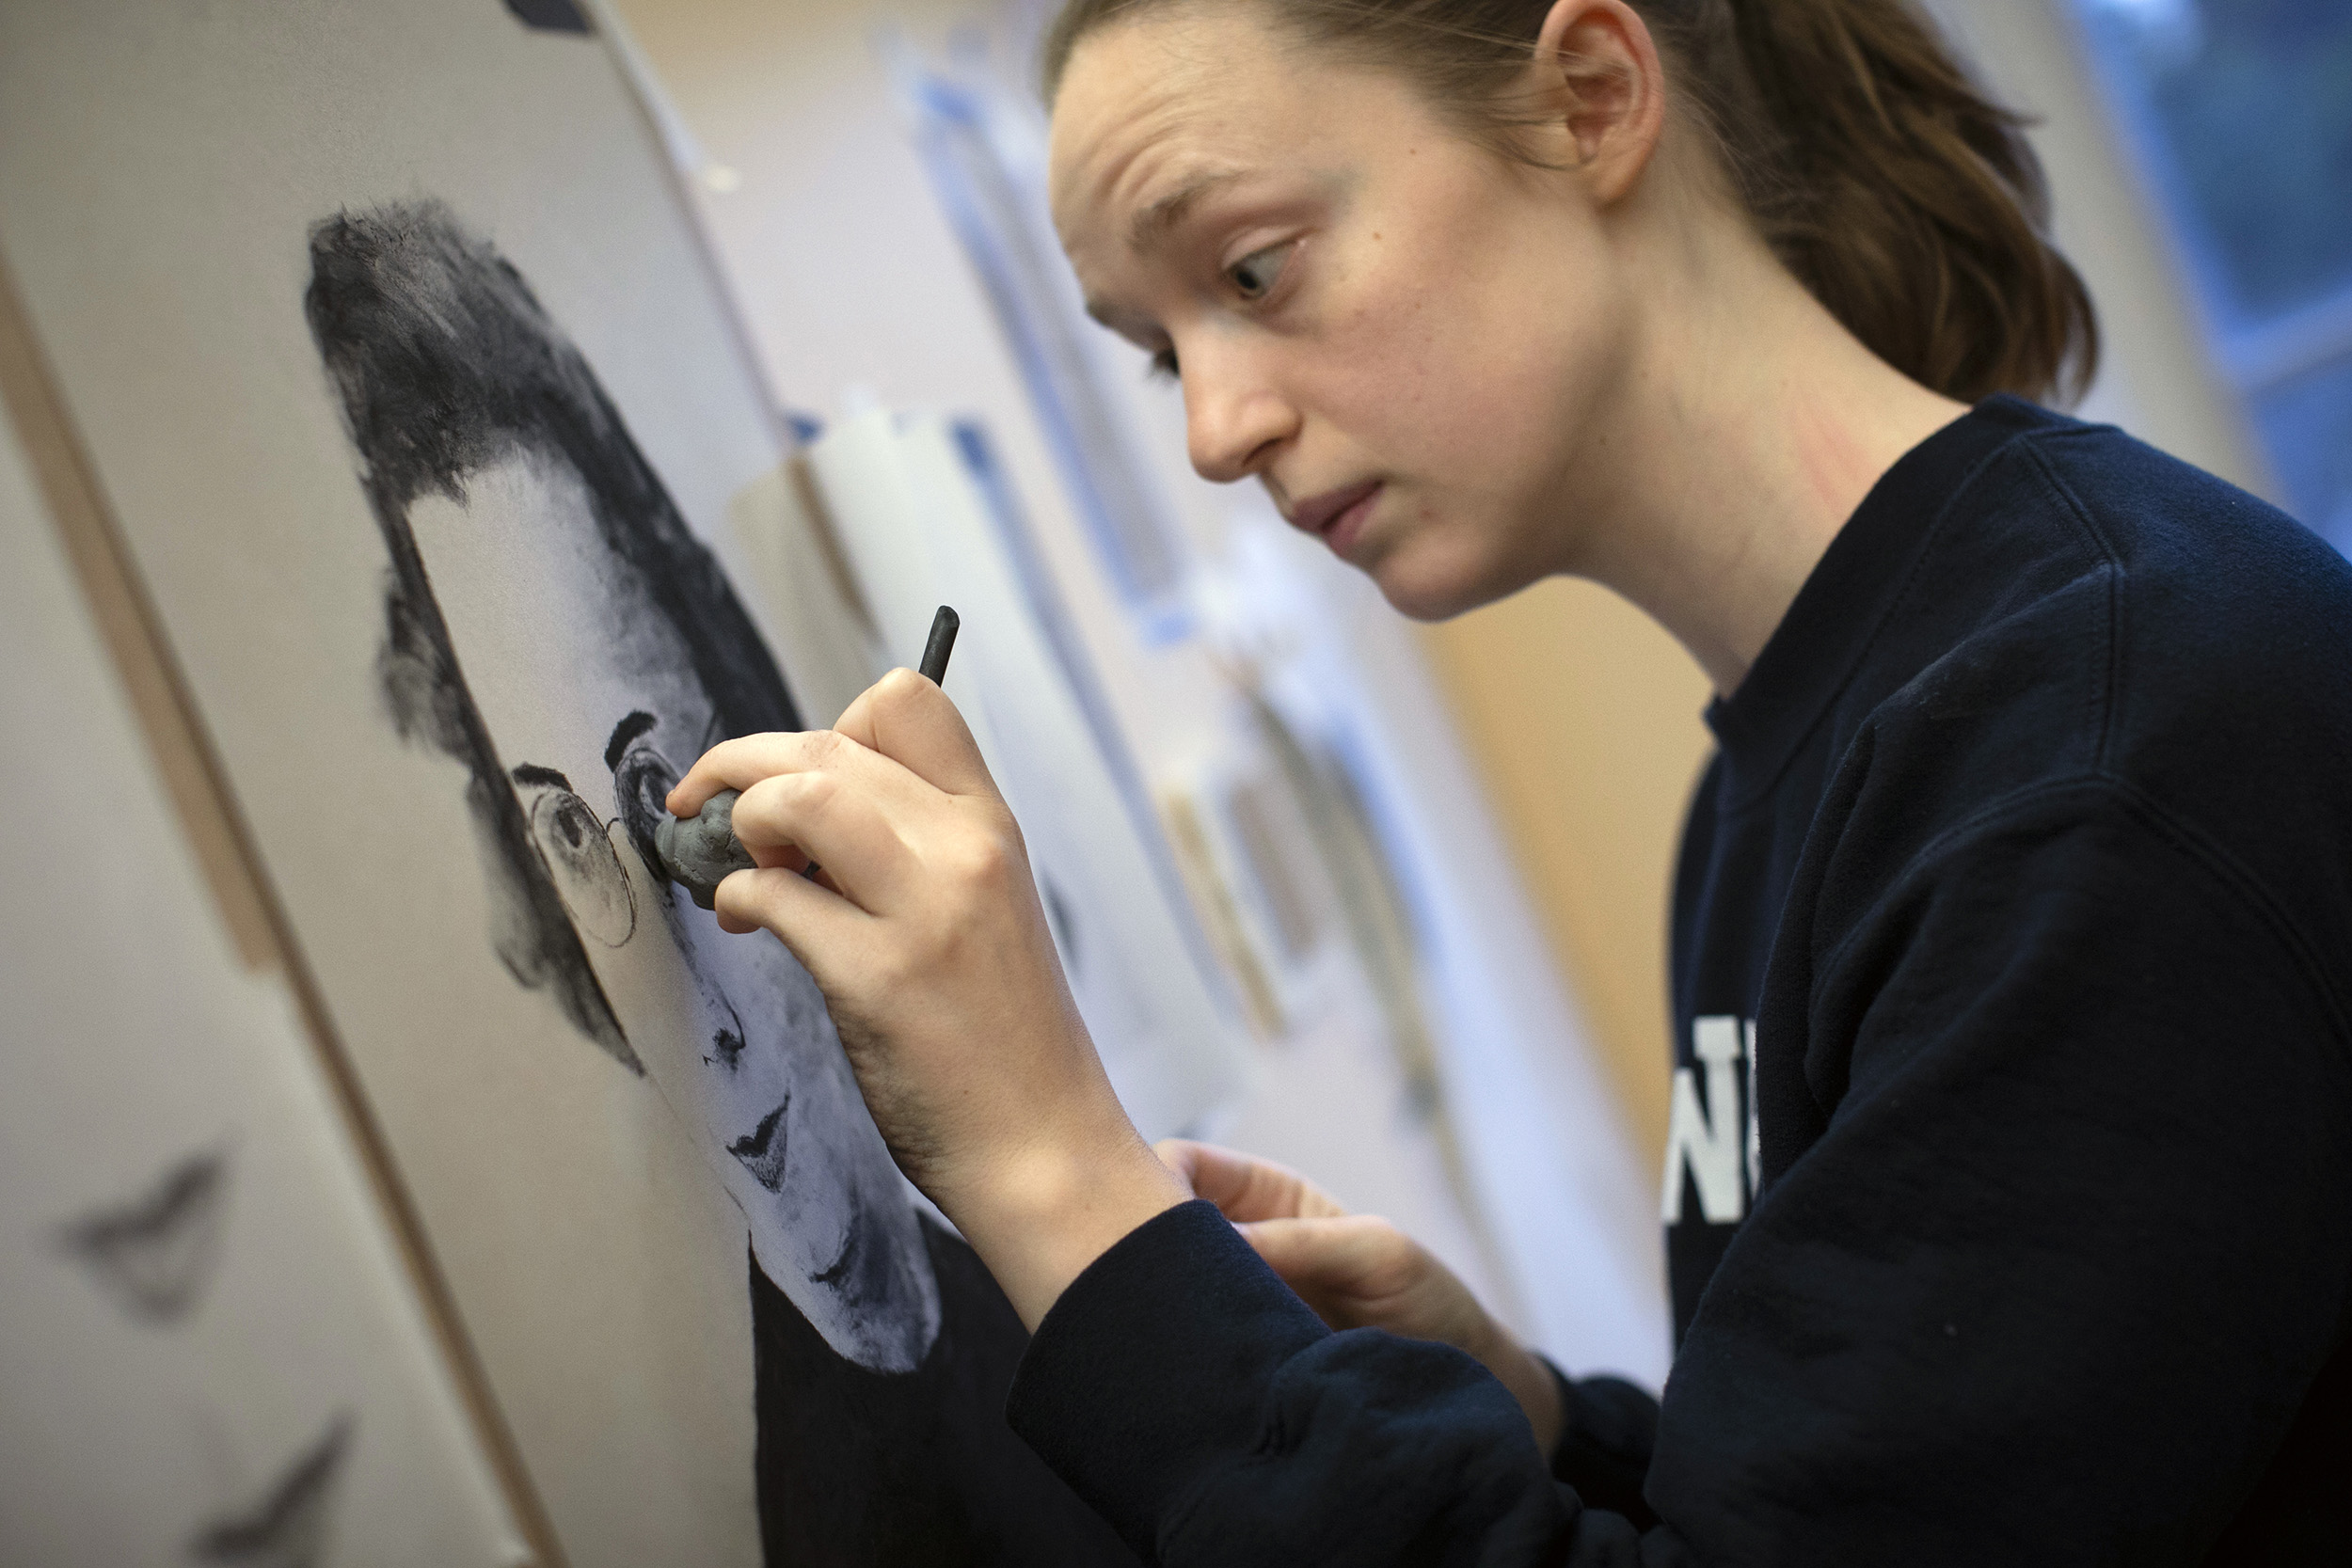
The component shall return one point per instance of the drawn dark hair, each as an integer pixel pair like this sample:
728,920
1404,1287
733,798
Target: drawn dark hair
446,365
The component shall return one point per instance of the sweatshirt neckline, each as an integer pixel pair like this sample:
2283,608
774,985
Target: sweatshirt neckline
1813,653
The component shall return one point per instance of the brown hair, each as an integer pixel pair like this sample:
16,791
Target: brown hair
1903,198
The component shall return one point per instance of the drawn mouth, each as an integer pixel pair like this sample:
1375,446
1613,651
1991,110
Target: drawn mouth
762,1148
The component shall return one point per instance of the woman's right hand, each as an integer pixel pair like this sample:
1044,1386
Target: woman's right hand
927,937
1358,1271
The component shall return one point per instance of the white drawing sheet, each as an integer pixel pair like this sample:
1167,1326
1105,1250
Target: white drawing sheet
412,399
213,1351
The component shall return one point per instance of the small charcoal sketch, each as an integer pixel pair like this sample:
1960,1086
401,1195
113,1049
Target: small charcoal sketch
549,16
554,625
287,1526
155,1254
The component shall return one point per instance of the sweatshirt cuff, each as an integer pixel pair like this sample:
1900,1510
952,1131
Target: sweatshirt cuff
1152,1368
1608,1429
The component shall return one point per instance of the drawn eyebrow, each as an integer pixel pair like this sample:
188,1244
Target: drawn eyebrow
625,731
1156,222
531,773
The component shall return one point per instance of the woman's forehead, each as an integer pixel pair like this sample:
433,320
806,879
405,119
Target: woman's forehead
1158,91
1154,115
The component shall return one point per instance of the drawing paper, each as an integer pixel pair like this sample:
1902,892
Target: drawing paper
406,379
212,1350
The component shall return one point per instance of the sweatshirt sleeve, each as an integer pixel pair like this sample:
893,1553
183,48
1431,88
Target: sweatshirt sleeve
1184,1392
1608,1428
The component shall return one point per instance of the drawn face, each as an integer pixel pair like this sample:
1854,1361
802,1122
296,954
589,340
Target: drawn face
591,697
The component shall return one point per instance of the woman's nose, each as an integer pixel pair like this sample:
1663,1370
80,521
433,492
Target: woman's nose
1233,421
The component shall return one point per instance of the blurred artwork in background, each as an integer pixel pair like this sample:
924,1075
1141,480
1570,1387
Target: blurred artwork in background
2238,113
984,146
925,517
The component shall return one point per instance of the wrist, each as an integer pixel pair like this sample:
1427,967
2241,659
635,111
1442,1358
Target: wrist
1529,1378
1038,1214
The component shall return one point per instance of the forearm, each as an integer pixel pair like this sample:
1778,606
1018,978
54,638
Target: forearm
1190,1395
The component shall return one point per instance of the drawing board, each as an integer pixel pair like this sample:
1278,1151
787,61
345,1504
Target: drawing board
409,391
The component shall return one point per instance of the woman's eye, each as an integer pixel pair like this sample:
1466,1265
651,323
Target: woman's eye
1255,274
1164,365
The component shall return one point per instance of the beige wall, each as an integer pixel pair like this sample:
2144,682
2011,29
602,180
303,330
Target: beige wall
1583,718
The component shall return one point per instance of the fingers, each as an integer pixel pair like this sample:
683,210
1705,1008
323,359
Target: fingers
1338,1252
1245,1188
854,829
818,927
743,762
910,720
1352,1269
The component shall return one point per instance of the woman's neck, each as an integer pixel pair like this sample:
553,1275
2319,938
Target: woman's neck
1754,434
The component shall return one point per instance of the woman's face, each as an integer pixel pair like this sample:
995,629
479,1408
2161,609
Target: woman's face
591,697
1405,336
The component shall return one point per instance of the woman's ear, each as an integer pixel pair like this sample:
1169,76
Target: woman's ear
1603,93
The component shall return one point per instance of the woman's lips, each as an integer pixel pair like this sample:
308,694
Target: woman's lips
1338,515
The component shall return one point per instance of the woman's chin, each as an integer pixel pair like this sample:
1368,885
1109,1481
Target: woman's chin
1428,587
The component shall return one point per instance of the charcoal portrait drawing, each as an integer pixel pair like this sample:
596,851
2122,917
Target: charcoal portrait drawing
552,624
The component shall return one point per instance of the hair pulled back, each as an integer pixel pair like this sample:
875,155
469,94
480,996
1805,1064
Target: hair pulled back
1905,200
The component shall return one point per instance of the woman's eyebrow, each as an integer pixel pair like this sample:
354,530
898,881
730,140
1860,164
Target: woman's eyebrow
1154,223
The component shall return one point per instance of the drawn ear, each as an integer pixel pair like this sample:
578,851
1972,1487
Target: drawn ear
580,860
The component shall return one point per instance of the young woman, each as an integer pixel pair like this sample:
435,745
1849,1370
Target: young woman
2008,1215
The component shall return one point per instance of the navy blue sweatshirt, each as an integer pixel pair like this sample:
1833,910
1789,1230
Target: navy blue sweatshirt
2009,1180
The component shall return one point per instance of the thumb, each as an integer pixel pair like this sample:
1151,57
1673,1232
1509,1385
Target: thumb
912,722
1341,1255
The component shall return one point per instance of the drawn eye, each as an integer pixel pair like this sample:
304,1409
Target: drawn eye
642,781
1255,274
587,873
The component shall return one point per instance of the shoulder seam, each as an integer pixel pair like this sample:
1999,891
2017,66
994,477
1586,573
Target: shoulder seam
2112,677
2226,870
2233,874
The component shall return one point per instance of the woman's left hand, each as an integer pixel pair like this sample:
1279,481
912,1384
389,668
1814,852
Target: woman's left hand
1358,1271
932,947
